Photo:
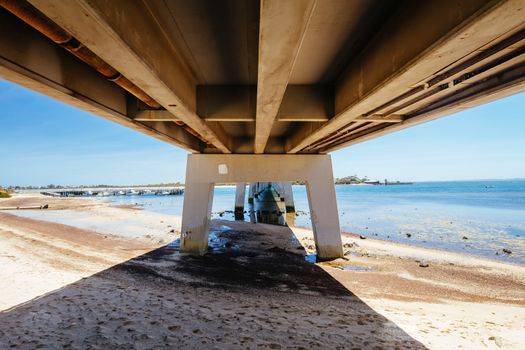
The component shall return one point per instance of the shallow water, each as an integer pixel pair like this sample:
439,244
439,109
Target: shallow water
475,217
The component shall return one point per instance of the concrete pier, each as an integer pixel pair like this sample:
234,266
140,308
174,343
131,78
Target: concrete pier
274,89
240,194
251,192
281,192
204,170
268,208
288,196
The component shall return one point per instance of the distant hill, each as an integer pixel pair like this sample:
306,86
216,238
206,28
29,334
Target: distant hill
350,180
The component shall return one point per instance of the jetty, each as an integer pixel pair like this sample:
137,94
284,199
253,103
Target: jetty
114,192
263,91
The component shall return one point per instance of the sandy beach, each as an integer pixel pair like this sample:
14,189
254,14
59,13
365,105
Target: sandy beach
94,276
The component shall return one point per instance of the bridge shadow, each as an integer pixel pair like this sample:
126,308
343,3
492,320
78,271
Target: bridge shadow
246,293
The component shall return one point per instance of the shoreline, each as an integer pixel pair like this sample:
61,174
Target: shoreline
76,203
457,300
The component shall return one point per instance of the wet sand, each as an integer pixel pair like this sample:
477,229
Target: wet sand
66,286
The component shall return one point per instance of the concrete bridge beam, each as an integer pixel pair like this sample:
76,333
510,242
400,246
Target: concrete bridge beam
204,170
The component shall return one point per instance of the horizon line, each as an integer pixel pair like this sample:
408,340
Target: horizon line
182,183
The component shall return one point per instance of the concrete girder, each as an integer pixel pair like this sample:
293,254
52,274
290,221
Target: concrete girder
419,53
164,77
499,86
31,60
300,103
281,29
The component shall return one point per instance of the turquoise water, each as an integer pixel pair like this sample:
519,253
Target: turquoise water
475,217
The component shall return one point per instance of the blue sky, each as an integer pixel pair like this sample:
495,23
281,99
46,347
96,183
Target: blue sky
43,141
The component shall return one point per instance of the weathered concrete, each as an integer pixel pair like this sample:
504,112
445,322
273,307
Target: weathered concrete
268,209
205,170
251,192
288,196
240,194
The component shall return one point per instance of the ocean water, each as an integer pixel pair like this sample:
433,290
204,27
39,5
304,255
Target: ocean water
475,217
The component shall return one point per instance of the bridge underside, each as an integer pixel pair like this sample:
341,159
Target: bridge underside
268,76
258,77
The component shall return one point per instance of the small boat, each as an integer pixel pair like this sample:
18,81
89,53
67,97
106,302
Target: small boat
121,193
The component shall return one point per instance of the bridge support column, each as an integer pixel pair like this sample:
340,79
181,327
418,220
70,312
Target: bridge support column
251,190
196,214
204,170
240,193
286,187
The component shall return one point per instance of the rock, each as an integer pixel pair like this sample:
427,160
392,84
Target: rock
348,245
497,340
362,237
465,237
423,264
507,251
